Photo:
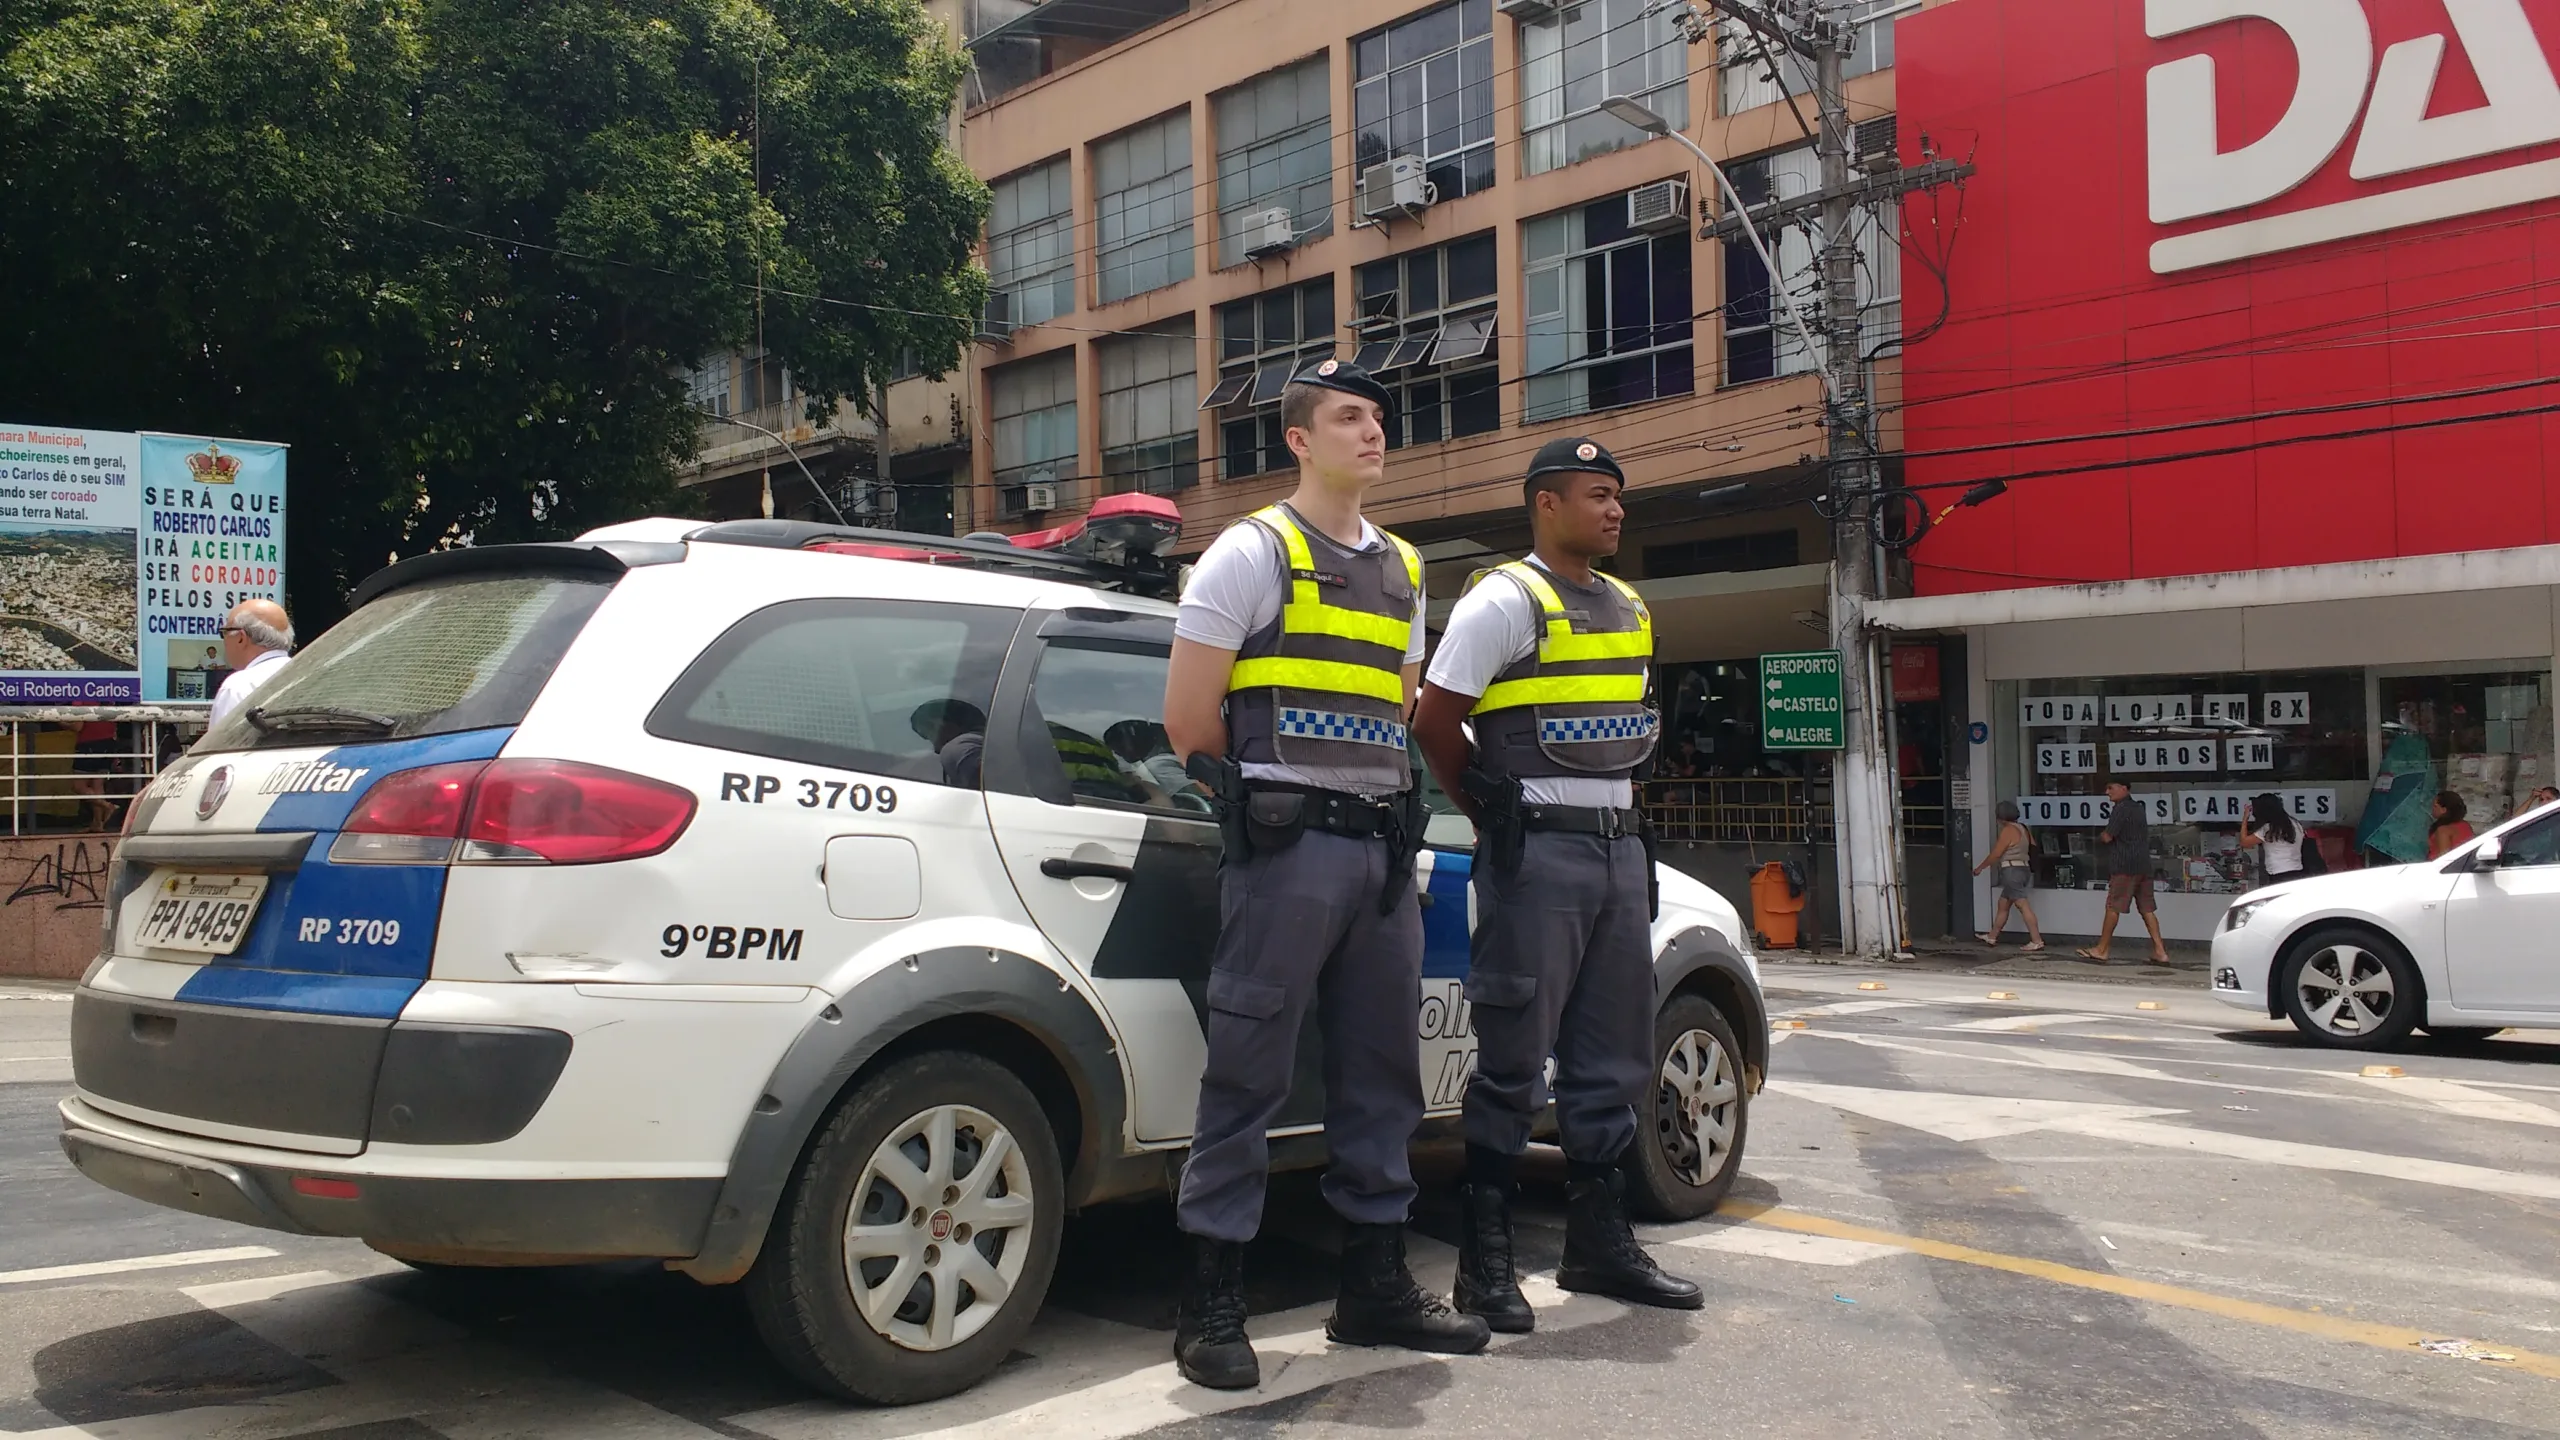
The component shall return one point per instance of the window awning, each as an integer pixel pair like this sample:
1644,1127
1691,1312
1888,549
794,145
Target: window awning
1082,20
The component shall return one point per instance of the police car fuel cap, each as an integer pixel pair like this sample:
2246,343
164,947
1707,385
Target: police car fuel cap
1575,453
1346,377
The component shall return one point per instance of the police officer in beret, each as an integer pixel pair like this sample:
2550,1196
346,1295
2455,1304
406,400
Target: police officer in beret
1548,659
1295,658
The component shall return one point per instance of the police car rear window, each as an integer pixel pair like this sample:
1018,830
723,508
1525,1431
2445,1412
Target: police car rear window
430,659
886,687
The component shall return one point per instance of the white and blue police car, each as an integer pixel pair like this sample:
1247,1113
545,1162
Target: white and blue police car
804,907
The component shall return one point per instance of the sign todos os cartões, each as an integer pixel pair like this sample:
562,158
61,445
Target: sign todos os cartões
120,553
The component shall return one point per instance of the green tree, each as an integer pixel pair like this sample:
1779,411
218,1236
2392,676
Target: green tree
456,252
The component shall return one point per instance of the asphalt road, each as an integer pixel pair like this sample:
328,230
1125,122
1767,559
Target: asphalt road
2054,1215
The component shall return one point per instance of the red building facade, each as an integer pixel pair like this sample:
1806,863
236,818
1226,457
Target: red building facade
2302,405
2254,305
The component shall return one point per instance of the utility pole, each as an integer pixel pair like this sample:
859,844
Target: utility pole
1865,815
883,493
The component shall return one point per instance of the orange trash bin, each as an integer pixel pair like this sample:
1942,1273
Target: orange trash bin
1773,910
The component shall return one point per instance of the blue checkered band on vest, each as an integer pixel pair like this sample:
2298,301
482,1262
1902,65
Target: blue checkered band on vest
1329,725
1594,728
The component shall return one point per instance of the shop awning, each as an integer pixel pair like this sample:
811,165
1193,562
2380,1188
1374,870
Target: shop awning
2522,568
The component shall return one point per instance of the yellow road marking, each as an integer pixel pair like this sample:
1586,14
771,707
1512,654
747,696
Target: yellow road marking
2306,1322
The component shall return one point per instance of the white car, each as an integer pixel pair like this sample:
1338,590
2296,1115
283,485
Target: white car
2466,945
794,909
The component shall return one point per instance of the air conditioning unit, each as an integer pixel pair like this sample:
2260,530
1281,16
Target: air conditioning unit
1040,495
1527,12
1875,144
1661,208
1394,187
1269,233
995,323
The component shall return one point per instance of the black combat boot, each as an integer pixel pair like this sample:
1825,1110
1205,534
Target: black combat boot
1601,1256
1488,1283
1208,1330
1380,1304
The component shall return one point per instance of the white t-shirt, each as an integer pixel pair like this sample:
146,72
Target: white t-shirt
2283,857
1494,627
1235,590
244,681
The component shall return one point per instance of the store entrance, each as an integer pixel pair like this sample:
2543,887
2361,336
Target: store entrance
1928,720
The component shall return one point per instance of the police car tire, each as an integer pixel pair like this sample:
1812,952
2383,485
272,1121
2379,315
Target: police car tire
1655,1189
803,1307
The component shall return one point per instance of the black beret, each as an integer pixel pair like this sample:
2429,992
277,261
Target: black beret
1348,378
1576,453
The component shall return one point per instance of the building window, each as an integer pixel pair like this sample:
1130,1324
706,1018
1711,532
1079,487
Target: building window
1585,53
1427,330
1610,317
1150,433
1261,343
1031,247
761,382
1033,406
1759,341
1275,151
1142,207
706,387
1756,73
1425,89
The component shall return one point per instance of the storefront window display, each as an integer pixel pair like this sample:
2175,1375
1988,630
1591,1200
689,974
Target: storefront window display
2487,737
2196,749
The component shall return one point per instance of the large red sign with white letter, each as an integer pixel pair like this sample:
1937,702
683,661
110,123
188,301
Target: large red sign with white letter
2239,283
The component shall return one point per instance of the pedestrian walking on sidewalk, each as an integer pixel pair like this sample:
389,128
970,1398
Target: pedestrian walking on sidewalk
2126,845
2012,866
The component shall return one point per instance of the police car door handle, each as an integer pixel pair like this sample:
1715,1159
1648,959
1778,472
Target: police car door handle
1087,870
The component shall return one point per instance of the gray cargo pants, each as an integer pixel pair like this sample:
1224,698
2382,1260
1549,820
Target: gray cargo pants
1300,926
1562,965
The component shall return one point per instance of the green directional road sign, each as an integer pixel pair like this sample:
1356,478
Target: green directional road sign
1800,701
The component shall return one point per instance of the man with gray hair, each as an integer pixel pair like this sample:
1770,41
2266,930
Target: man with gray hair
256,638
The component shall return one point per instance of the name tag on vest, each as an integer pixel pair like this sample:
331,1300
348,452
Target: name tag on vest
1321,577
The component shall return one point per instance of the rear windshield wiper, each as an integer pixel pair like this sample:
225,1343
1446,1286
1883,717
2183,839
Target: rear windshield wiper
269,720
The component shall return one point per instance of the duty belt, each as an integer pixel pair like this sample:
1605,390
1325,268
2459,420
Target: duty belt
1337,812
1607,823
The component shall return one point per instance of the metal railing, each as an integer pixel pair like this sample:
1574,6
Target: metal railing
52,787
1726,811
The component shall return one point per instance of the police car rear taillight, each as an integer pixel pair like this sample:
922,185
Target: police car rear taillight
512,812
409,817
559,812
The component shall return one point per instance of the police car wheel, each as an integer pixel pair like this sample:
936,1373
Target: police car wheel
1689,1140
918,1237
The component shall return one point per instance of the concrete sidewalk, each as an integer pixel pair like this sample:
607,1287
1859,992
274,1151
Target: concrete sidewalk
2060,960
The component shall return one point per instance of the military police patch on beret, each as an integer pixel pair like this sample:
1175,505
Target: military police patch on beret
1328,367
1574,453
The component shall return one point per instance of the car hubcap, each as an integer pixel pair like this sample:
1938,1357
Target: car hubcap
1695,1111
2347,990
939,1228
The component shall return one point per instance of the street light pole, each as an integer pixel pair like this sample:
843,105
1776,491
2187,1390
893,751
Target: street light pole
787,450
1645,118
1863,810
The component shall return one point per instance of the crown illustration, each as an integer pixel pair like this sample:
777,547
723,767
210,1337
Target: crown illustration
212,467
